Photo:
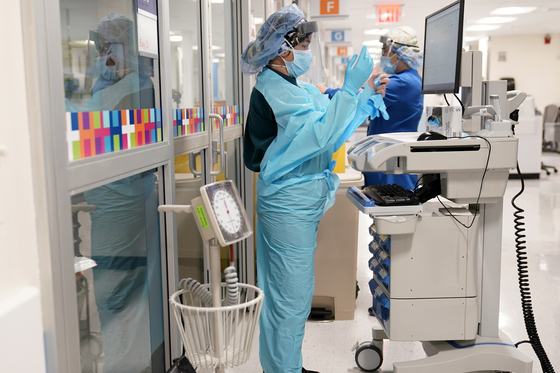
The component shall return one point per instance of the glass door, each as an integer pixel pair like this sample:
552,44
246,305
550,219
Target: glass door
191,138
119,163
226,103
205,90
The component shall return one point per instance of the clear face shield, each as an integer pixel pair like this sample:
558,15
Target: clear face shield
105,59
387,61
92,72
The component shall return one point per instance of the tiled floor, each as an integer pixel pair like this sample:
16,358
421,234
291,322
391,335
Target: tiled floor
327,346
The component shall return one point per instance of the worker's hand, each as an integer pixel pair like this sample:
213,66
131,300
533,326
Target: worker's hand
379,82
322,88
357,74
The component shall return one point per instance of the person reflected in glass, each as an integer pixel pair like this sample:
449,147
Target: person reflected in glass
123,79
125,229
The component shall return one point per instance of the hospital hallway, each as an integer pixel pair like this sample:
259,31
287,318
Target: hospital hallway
327,346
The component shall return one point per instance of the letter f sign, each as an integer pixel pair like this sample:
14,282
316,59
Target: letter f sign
329,7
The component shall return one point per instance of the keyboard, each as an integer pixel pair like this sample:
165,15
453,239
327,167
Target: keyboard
391,195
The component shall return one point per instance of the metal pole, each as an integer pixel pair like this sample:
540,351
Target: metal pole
215,285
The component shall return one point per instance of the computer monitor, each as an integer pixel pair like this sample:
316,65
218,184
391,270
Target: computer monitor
443,42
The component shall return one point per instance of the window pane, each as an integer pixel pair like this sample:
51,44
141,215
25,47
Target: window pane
111,75
185,79
116,230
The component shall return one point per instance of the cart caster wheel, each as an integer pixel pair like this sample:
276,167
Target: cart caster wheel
368,357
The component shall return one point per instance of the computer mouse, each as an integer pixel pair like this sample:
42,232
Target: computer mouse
431,135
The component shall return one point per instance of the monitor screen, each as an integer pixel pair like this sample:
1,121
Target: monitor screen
443,41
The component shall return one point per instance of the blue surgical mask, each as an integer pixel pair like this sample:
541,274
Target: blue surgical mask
107,72
387,66
300,64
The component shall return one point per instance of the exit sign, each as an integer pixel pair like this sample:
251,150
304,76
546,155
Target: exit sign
388,13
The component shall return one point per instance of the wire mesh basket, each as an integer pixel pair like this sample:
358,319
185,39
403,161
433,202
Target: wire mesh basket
214,336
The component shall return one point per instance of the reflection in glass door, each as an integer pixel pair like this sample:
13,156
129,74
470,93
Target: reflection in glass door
110,90
112,102
118,278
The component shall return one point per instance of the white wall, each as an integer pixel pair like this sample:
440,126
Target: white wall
534,65
18,240
19,262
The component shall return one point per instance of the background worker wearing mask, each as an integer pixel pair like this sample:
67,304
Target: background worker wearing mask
291,133
124,227
400,56
123,79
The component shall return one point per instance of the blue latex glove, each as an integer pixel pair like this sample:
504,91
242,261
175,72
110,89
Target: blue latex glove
379,104
356,74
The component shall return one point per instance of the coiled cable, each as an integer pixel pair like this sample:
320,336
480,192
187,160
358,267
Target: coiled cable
232,290
196,288
205,295
523,273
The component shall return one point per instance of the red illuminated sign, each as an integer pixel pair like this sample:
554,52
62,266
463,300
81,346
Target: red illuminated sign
388,13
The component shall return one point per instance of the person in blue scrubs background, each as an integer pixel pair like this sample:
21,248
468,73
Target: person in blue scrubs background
401,57
291,133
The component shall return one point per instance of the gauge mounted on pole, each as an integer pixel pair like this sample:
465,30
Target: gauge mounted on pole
220,213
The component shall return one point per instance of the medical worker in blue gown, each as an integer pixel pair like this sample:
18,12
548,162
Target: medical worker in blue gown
291,134
125,240
401,56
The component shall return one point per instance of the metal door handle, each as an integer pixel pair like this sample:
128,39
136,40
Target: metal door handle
192,164
221,128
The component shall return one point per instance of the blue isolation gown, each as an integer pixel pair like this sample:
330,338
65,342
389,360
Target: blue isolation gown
294,189
404,104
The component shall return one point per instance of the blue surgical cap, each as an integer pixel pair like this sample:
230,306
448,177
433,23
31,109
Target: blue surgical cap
270,38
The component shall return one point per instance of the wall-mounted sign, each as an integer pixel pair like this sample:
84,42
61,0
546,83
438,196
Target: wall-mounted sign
147,28
338,36
388,13
341,60
341,51
329,8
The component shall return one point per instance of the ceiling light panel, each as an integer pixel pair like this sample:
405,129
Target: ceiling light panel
513,10
496,20
483,27
376,31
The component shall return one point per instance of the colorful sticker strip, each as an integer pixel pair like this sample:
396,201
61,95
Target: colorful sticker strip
230,114
187,121
99,132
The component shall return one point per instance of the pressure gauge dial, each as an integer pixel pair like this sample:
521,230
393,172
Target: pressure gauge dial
227,211
222,215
